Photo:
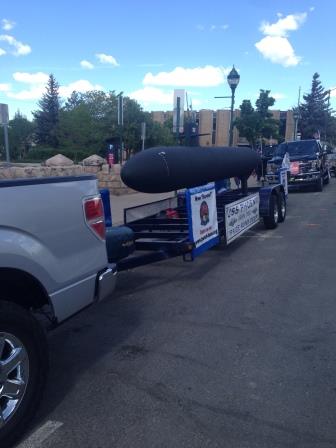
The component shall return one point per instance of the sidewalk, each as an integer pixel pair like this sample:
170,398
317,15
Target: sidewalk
119,203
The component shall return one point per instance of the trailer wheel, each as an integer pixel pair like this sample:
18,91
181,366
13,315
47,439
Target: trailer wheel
282,205
23,370
319,184
326,178
271,221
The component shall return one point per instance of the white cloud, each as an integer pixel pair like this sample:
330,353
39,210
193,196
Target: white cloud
212,27
34,93
4,87
312,8
31,78
2,52
146,65
207,76
278,50
37,85
152,95
20,49
292,22
278,96
7,25
333,92
276,46
82,85
86,64
107,59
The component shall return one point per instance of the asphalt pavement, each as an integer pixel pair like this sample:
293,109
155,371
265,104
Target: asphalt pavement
234,350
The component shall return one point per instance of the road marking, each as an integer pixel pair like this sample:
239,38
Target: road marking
312,225
40,435
262,237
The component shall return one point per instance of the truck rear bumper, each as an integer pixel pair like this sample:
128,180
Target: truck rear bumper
106,282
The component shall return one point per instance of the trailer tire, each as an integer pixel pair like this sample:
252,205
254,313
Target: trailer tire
319,184
326,178
282,205
271,221
23,340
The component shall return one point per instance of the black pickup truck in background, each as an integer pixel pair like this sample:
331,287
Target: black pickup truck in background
308,163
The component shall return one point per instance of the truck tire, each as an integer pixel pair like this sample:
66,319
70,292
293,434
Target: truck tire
326,178
271,221
282,206
319,184
23,370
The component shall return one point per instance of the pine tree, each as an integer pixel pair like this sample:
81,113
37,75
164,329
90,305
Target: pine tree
46,119
314,111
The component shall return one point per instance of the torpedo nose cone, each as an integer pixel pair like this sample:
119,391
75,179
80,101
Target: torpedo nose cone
147,172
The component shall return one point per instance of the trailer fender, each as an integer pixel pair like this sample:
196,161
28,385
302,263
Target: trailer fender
265,194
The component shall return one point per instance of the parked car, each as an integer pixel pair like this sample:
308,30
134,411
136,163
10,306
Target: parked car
308,163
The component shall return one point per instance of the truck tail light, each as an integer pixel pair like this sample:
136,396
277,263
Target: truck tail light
94,216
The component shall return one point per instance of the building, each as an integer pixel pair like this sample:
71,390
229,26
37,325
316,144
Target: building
215,126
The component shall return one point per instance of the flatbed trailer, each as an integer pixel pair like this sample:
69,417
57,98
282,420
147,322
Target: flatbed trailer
162,228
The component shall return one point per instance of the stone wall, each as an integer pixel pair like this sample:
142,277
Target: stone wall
107,177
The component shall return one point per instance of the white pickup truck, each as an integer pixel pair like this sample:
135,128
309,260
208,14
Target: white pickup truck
53,263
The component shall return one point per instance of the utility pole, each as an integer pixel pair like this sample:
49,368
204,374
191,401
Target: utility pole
296,115
143,135
178,111
121,123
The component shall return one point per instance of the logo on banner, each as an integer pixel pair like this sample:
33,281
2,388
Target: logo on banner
204,213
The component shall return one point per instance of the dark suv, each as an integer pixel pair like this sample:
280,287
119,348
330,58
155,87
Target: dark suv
308,163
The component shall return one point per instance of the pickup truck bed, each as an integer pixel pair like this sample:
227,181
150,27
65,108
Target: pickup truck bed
53,262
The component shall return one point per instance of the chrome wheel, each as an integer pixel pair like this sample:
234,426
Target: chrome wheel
276,212
14,375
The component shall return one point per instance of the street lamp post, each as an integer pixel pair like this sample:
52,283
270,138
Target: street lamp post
296,116
233,81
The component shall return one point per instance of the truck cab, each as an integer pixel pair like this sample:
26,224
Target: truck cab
308,163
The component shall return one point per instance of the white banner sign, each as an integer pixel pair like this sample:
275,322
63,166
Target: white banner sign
240,216
203,224
284,179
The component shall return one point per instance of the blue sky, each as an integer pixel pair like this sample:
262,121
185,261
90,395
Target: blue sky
149,48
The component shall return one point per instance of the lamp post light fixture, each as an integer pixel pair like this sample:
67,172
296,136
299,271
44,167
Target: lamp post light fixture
233,81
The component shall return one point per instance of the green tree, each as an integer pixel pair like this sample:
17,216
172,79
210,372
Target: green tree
248,123
47,117
269,127
254,124
158,134
20,136
314,111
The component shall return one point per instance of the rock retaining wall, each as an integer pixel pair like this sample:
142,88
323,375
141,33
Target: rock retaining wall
107,177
